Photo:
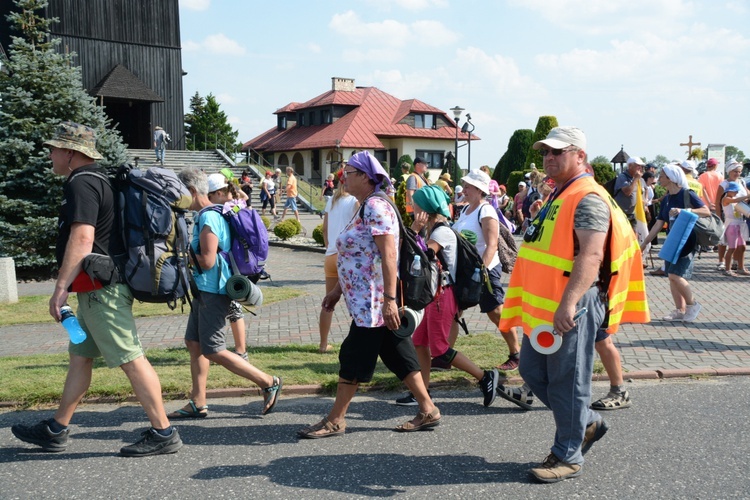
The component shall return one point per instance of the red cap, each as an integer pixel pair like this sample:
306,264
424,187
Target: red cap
712,162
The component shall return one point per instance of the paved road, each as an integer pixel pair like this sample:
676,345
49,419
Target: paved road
718,340
682,439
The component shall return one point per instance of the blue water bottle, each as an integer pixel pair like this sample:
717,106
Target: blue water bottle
71,324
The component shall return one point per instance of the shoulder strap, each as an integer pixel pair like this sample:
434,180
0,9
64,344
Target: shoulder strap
479,213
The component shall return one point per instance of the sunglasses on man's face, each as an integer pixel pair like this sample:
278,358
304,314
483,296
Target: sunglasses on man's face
555,152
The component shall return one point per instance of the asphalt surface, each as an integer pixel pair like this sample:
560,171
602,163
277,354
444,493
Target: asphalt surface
683,438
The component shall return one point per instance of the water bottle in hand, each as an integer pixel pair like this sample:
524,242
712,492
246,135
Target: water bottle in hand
416,266
71,324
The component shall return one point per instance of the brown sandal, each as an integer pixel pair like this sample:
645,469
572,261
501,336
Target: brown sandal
323,429
421,421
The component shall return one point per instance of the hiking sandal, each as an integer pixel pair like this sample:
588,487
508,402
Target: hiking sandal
190,411
272,395
520,396
613,401
421,422
323,429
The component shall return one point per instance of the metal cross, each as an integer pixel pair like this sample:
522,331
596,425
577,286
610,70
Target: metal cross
690,144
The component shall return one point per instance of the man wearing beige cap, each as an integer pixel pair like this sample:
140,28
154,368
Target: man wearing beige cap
87,225
562,281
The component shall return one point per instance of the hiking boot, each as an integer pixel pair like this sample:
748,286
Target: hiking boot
489,384
41,435
409,399
553,470
691,312
439,365
520,396
510,365
675,315
594,432
153,443
613,401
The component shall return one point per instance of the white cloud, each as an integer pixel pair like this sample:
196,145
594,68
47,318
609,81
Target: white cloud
392,33
411,5
195,4
739,7
313,47
225,99
611,17
215,44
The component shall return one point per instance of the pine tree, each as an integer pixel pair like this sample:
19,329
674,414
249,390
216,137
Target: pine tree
39,88
543,126
206,126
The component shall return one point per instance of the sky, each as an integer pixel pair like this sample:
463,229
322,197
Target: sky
643,74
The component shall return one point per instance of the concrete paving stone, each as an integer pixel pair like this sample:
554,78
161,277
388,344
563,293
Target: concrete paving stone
713,340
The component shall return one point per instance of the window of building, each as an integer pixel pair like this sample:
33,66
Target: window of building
302,119
424,121
312,118
433,158
326,114
282,122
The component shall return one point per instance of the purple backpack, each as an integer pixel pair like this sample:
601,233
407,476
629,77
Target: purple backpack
249,240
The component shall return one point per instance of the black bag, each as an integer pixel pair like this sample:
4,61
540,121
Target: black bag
100,267
415,292
708,230
528,200
507,249
466,289
610,186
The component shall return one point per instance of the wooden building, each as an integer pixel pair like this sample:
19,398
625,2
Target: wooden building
130,57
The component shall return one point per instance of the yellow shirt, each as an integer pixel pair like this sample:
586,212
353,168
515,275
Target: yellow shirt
291,187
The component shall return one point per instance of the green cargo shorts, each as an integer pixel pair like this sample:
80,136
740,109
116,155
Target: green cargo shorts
107,317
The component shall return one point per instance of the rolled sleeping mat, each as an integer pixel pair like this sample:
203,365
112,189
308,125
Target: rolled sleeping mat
244,291
410,320
679,231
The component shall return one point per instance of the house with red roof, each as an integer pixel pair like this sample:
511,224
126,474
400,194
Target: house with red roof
315,136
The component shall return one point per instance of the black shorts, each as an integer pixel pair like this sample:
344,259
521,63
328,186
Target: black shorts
362,346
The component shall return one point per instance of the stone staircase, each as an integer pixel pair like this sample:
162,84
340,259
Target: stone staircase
209,161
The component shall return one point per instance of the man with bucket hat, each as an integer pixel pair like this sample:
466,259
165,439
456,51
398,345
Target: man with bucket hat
563,281
87,226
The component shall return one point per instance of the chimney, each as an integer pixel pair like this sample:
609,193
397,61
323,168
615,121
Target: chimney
343,84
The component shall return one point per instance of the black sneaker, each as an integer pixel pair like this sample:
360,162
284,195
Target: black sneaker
153,443
41,435
488,384
409,400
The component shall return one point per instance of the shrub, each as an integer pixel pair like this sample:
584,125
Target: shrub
286,229
266,221
318,234
297,225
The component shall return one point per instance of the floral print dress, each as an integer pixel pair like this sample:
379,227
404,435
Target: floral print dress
359,261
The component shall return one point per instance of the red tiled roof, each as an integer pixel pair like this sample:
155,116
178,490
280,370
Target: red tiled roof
375,114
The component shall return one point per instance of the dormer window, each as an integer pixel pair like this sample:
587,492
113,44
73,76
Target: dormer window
326,115
424,121
281,122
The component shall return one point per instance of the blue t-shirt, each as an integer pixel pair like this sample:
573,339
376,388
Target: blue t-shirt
213,280
678,201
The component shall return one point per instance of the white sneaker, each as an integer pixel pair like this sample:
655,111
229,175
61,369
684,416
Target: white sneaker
691,312
675,315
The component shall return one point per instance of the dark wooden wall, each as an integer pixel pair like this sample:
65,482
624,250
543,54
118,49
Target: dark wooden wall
142,35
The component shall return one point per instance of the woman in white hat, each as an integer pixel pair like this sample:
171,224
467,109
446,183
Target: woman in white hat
480,218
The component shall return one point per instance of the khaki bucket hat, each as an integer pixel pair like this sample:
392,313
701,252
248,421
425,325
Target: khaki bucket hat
70,135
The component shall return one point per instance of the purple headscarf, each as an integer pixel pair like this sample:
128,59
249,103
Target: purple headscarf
367,163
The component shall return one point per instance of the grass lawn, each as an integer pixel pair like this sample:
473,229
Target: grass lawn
35,380
34,308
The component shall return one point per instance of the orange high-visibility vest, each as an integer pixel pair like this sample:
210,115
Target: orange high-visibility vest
420,183
543,267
